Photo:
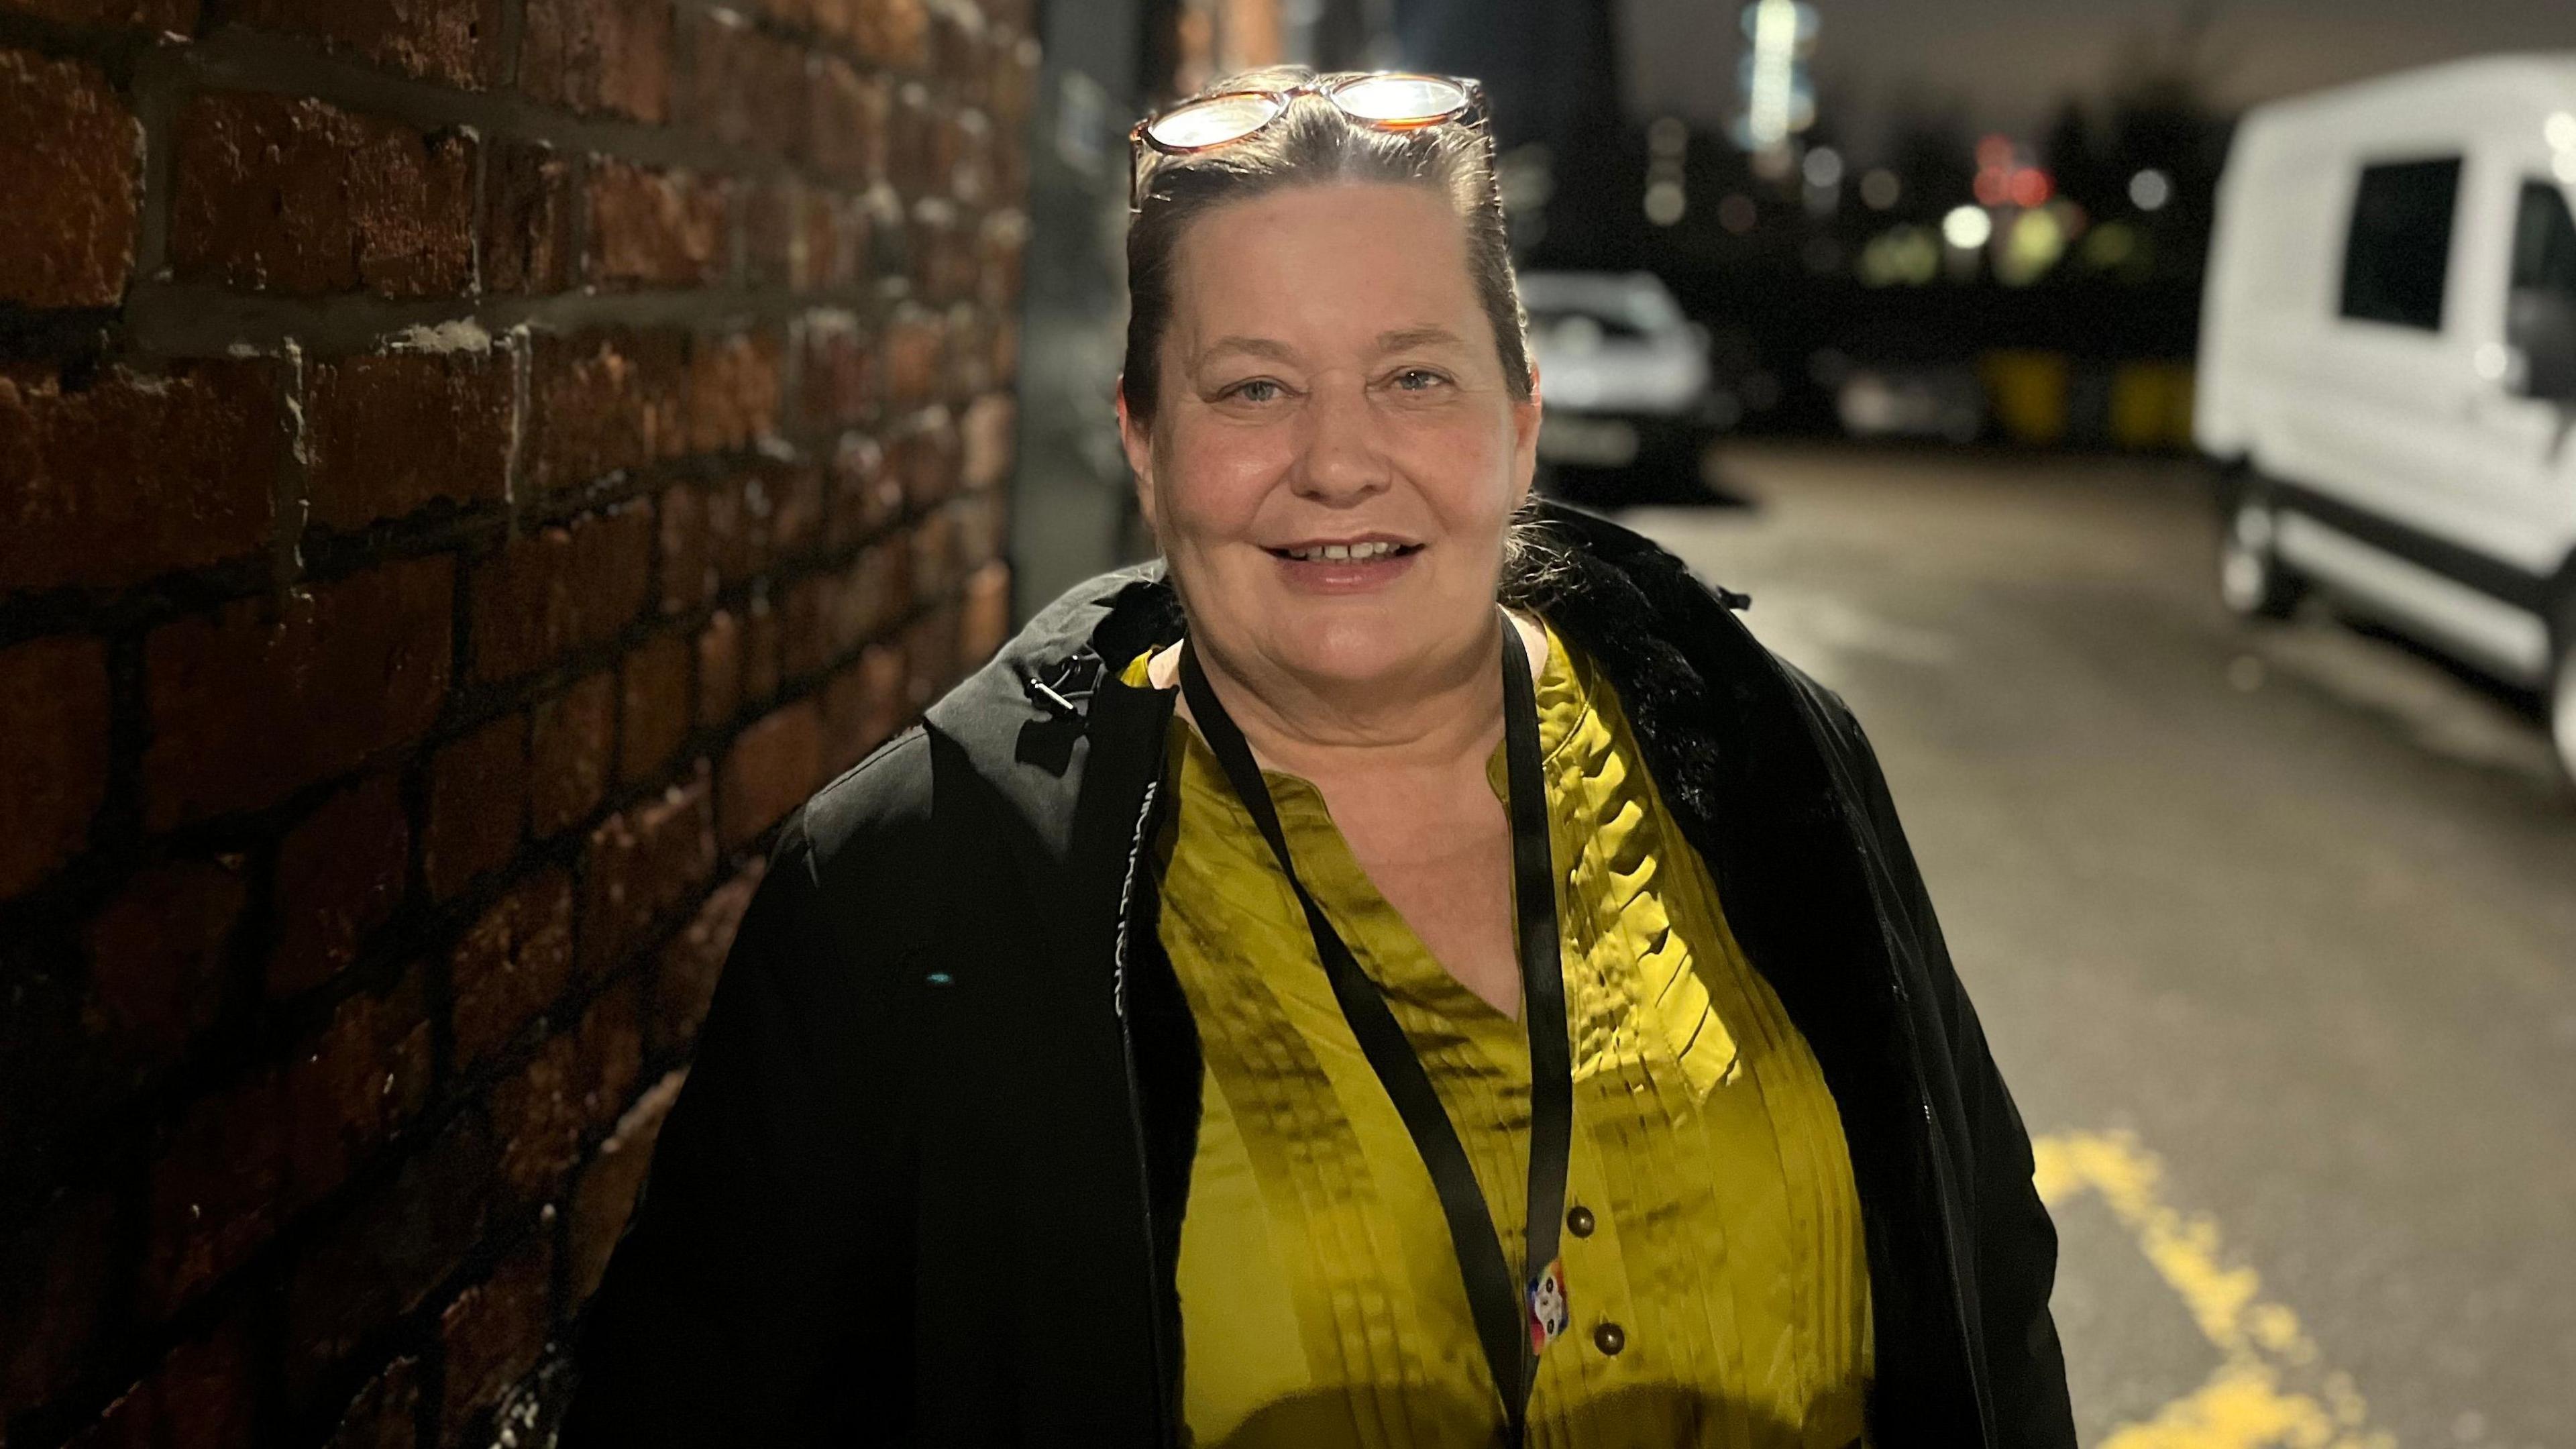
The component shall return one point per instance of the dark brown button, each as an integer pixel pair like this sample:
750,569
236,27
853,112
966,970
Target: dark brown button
1610,1338
1579,1222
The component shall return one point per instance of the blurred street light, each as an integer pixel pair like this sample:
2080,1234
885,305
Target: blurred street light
1824,168
1779,100
2150,189
1967,227
1879,189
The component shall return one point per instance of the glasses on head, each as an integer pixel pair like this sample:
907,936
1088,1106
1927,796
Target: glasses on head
1387,100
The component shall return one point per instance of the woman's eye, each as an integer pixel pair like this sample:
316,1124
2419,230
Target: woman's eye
1418,379
1258,390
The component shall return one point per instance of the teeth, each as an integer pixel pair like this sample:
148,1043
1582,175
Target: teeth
1344,552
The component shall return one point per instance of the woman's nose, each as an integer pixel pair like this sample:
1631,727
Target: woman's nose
1342,458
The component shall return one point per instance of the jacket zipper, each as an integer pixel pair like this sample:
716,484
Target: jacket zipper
1163,1433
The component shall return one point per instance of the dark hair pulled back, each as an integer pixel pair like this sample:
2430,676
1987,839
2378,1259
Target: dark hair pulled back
1313,143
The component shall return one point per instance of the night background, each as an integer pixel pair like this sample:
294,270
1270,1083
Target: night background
469,469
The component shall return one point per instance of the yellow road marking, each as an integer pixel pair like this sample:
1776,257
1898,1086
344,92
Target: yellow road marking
2261,1346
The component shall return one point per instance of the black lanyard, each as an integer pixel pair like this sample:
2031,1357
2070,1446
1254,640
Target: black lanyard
1506,1321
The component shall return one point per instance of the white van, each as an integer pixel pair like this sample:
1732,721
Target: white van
2388,359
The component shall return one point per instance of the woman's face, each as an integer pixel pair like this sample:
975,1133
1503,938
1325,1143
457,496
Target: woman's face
1334,456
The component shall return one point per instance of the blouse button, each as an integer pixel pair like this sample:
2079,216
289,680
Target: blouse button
1579,1222
1610,1338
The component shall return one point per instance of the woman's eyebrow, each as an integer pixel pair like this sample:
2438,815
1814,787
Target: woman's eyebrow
1404,337
1257,346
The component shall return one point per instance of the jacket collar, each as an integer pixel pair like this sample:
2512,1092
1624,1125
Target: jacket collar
1022,720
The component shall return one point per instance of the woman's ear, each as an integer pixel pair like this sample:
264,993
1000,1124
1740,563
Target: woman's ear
1525,426
1136,436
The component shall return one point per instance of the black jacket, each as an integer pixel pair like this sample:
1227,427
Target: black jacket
925,1183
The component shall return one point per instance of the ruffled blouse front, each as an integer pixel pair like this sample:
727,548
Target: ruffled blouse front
1714,1258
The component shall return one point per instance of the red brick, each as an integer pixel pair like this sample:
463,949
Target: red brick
761,657
876,591
528,202
561,589
838,241
600,403
581,1079
1003,243
944,264
930,652
689,578
386,1413
984,623
983,527
279,194
956,45
848,117
772,214
693,961
771,768
866,493
892,32
395,1246
596,56
654,695
158,957
53,776
733,392
912,146
53,1292
719,670
511,964
841,372
131,475
478,804
353,1084
933,543
807,644
651,227
569,754
744,88
171,15
914,361
863,706
390,433
246,1158
795,510
206,1393
339,876
644,864
495,1330
928,456
218,1194
261,698
988,439
606,1195
454,42
69,190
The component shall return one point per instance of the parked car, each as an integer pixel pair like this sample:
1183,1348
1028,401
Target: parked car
1631,403
2388,359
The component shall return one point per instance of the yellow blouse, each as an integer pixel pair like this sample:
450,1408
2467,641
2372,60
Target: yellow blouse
1720,1296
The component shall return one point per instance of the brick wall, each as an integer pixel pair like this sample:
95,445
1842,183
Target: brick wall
467,469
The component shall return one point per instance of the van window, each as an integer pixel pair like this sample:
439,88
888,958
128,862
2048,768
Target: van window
2544,242
2398,251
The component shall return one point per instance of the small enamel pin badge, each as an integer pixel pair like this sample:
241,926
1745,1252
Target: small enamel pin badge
1548,1313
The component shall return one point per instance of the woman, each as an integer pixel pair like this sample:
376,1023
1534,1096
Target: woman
1407,969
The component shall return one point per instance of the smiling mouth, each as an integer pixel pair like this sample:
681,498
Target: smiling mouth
1367,552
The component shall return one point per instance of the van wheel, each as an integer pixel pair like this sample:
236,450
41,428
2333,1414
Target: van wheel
2251,581
2562,707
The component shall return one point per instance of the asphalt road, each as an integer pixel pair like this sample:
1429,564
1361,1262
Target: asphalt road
2273,932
